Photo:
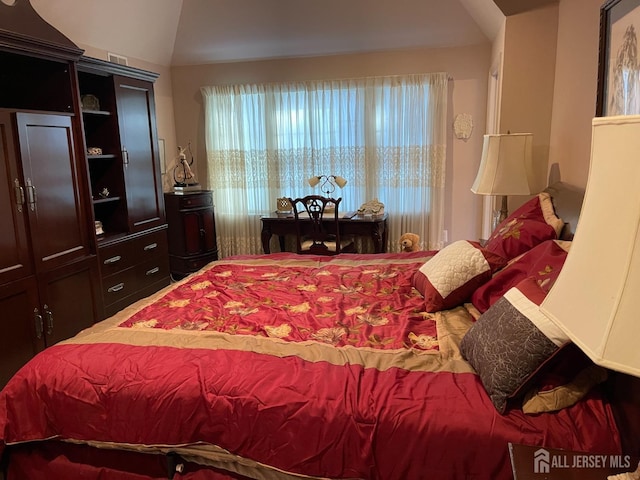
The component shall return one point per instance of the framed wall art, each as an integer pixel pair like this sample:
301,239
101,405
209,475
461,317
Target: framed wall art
619,63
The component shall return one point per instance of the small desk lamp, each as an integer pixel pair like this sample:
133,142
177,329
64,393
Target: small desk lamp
594,300
506,168
329,183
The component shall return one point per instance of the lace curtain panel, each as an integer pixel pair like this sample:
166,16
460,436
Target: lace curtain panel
385,135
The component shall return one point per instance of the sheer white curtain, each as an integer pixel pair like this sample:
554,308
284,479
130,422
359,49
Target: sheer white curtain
385,135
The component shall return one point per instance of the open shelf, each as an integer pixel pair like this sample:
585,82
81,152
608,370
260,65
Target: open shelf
97,201
96,112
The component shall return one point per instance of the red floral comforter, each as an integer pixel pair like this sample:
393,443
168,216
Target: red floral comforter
289,367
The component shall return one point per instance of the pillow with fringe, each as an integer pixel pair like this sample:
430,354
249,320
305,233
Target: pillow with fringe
543,262
531,224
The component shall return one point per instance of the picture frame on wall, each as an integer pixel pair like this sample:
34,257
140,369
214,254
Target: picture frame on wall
619,59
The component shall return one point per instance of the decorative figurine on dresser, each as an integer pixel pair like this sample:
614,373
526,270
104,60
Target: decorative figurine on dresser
192,231
183,176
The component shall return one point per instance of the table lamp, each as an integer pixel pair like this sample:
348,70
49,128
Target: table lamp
594,299
329,183
506,168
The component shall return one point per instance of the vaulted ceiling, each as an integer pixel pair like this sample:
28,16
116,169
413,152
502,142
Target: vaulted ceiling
513,7
184,32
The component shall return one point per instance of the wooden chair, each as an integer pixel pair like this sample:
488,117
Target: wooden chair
319,234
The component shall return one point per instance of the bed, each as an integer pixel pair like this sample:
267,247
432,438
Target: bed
286,366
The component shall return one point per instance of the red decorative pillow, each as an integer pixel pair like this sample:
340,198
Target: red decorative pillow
531,224
543,263
449,277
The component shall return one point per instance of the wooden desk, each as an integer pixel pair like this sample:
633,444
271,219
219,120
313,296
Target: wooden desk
284,224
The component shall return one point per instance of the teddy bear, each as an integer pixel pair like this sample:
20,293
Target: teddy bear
409,242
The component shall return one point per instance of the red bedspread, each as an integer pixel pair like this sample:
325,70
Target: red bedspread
288,366
352,303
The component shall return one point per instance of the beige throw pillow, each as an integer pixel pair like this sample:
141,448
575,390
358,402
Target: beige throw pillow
564,395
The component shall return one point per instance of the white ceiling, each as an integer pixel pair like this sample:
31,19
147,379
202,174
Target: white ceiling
231,30
185,32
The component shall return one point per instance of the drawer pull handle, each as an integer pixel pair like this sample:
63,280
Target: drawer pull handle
116,288
153,271
111,260
151,246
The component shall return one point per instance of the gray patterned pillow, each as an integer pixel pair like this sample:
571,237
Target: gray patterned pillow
510,341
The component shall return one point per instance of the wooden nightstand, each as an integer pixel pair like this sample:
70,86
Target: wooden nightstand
192,231
539,463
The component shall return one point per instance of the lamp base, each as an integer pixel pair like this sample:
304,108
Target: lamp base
498,216
495,220
504,211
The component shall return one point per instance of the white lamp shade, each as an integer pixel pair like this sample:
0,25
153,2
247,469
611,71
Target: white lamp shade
506,166
595,299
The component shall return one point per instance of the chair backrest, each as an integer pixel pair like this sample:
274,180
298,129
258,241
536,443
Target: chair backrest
320,228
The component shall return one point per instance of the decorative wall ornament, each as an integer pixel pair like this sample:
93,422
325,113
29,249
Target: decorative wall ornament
463,126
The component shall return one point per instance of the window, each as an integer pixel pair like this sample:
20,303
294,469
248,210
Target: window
385,135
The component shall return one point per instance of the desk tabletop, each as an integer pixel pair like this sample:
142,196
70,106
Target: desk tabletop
346,216
349,224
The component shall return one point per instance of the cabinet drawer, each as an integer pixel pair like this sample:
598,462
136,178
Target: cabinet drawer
150,245
116,287
152,271
187,265
124,288
119,256
116,258
114,308
195,200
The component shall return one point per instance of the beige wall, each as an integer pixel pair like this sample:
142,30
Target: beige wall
467,66
528,79
527,85
573,94
574,102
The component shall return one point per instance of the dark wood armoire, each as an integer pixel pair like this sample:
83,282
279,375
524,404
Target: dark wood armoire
56,269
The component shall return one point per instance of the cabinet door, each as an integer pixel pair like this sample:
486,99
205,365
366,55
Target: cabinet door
21,336
199,231
67,300
57,221
15,261
208,231
139,143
